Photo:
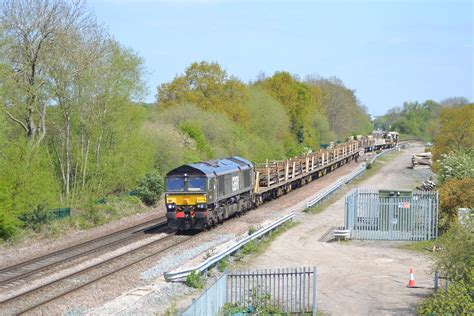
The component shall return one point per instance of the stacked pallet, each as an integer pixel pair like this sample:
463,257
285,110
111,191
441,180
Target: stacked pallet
423,160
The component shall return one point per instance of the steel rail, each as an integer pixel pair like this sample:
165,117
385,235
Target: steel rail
97,265
146,225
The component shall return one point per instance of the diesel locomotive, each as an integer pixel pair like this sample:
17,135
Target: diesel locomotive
203,194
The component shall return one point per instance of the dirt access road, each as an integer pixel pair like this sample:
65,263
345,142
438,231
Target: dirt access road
355,277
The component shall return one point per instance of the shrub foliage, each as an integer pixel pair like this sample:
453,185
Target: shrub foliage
150,188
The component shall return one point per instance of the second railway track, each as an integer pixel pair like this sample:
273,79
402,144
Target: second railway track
38,296
17,274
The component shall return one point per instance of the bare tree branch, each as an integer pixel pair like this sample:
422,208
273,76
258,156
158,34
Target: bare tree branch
17,120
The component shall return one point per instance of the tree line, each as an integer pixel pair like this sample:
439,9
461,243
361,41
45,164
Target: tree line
417,119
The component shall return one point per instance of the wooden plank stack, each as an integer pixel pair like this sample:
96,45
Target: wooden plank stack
423,160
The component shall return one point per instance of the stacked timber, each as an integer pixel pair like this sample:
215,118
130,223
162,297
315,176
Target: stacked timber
423,160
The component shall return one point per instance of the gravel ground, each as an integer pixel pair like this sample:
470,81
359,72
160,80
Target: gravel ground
356,277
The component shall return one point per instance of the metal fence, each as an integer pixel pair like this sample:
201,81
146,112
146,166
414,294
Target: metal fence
287,290
211,301
283,290
391,214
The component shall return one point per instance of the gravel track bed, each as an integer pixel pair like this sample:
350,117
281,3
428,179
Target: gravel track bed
118,260
29,249
69,268
70,258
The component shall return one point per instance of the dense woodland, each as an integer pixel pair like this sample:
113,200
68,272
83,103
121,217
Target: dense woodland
75,133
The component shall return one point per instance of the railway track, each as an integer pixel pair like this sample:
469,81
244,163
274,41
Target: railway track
18,274
38,296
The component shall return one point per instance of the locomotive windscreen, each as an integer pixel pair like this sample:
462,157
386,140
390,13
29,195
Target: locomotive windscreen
180,184
175,184
196,184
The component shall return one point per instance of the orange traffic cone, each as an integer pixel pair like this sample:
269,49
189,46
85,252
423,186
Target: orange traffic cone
411,283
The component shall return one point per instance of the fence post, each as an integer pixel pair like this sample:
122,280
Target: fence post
314,291
436,281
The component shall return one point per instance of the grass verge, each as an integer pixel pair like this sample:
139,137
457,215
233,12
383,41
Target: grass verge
258,246
83,218
424,246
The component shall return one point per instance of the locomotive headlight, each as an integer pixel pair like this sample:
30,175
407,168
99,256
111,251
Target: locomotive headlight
171,206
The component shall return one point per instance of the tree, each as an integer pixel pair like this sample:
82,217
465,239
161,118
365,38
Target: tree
456,132
454,101
94,120
32,31
296,99
209,87
345,114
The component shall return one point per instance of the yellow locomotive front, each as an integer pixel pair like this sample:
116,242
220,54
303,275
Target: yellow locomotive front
186,201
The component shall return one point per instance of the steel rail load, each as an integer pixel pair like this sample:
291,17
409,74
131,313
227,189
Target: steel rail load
203,194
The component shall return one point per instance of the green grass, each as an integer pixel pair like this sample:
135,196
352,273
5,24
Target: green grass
259,246
195,280
424,246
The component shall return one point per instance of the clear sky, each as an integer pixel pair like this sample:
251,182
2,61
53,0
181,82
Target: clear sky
388,51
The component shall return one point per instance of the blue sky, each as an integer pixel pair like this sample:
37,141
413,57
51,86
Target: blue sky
388,51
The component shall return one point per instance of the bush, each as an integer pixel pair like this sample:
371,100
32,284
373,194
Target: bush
8,226
455,261
456,165
457,253
92,216
195,280
39,216
249,247
150,188
456,301
453,194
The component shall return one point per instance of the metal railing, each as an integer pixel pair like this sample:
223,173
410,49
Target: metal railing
284,290
213,260
265,291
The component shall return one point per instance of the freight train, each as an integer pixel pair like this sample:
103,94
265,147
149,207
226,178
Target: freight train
203,194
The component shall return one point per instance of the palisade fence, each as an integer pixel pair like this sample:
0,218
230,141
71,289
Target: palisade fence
268,291
391,214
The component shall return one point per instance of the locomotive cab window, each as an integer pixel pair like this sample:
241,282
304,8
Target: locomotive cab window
174,184
196,184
